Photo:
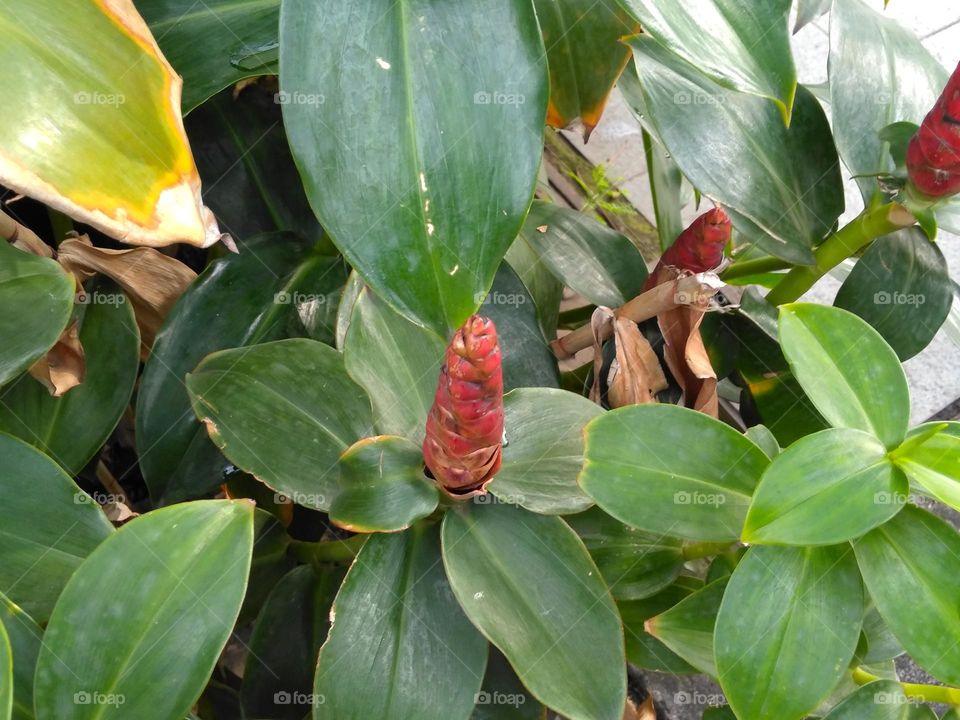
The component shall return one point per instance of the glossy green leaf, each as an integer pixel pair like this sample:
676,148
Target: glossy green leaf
824,489
843,364
544,450
351,291
719,712
879,700
643,649
747,50
184,571
431,188
881,644
396,620
666,185
808,11
103,141
396,362
72,428
282,411
634,564
687,628
49,525
900,286
911,566
595,261
37,299
670,470
787,628
214,43
276,287
764,439
879,73
502,696
527,582
934,463
542,285
278,676
382,486
764,168
25,640
6,675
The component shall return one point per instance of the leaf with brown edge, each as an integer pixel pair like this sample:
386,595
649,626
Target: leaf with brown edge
63,367
635,376
687,358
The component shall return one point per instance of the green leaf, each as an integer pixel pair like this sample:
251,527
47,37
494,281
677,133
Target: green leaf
431,188
842,364
72,428
787,629
764,168
25,640
398,622
103,143
871,56
178,577
879,700
275,288
37,299
527,582
911,566
634,564
278,676
666,469
687,628
720,712
282,411
643,649
215,43
900,286
396,362
6,675
502,696
49,525
382,486
747,50
881,644
764,439
826,488
934,463
542,285
808,11
666,186
585,57
595,261
544,450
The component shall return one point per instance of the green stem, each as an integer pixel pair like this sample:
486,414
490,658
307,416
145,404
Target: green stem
925,693
872,223
754,267
697,550
335,551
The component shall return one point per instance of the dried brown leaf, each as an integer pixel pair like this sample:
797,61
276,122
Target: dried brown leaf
636,376
63,367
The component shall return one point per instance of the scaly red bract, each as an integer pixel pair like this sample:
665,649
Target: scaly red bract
933,154
697,249
465,426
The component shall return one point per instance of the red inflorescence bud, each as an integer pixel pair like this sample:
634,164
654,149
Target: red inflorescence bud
465,425
933,155
698,248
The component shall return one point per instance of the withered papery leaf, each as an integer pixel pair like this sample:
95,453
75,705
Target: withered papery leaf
637,376
63,367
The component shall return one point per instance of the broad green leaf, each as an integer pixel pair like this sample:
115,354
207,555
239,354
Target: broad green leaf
396,362
351,291
214,43
48,526
900,286
396,620
542,285
25,639
6,675
669,470
544,450
879,73
764,439
595,261
276,287
847,370
826,488
382,486
666,185
431,188
282,411
787,628
881,644
687,628
585,57
250,179
37,299
278,676
934,463
808,11
502,696
184,571
527,582
764,167
527,358
634,564
719,712
740,48
643,649
103,141
879,700
72,428
911,566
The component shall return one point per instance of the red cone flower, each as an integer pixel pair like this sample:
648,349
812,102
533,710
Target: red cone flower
465,424
933,155
698,248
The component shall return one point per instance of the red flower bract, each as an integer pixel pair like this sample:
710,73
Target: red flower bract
698,248
933,155
465,425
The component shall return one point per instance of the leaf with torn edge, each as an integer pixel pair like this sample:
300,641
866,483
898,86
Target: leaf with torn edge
62,368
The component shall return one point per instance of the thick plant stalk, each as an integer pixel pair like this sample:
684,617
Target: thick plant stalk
697,249
933,154
465,425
